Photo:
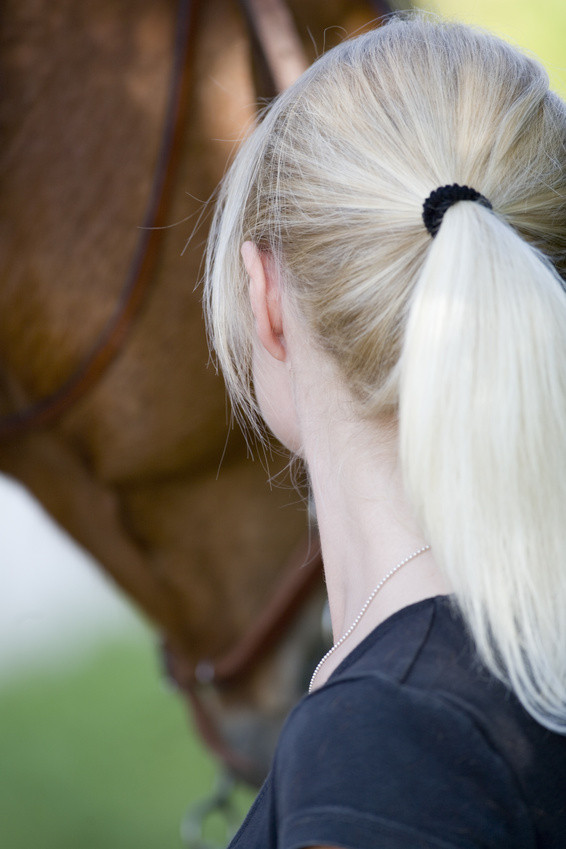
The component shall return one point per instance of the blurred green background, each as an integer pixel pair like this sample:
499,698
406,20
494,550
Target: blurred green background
97,753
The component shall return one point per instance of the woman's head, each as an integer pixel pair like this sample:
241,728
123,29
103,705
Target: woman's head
462,337
333,181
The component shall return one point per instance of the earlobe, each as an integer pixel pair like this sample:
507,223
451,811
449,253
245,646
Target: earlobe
265,300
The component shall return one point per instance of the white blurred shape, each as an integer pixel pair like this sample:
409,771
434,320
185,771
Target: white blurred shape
55,602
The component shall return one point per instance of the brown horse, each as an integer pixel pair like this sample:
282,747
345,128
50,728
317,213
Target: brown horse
144,469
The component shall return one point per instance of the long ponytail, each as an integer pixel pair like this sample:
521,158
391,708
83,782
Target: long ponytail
483,444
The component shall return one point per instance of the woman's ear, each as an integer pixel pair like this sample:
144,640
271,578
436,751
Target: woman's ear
265,298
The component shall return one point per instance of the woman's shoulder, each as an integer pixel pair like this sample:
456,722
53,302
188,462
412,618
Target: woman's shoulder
366,755
412,715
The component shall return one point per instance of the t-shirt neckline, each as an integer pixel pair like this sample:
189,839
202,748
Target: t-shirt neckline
380,630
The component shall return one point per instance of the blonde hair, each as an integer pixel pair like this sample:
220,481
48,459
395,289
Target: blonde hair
463,336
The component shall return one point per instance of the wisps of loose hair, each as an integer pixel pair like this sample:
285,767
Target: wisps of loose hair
463,336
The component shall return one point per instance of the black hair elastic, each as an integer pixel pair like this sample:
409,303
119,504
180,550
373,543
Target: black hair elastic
442,199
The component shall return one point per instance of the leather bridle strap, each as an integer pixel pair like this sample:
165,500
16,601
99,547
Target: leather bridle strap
302,576
110,341
304,573
277,46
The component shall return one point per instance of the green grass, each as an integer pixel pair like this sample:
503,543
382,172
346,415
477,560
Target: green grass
99,755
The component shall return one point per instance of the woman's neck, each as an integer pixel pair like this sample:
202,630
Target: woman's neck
366,526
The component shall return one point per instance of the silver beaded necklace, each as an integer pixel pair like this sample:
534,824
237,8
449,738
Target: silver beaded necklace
367,603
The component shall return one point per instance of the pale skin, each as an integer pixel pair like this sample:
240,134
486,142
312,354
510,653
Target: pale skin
365,520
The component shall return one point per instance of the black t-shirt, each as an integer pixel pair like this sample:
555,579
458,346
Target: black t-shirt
411,744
